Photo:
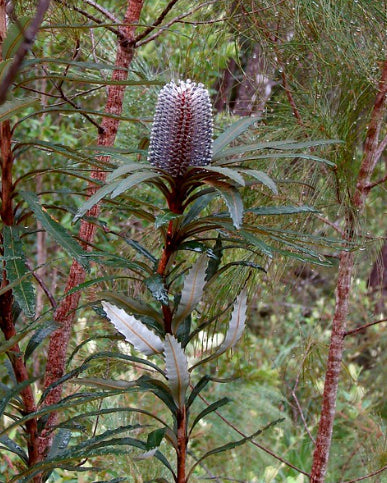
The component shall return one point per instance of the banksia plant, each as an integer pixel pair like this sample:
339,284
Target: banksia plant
182,128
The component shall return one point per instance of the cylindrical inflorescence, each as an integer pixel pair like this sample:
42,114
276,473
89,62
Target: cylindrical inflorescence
182,128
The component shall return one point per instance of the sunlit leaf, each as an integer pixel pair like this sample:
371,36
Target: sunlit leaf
192,290
135,332
176,369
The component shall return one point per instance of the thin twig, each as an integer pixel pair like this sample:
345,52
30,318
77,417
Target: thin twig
102,10
368,476
90,17
171,22
377,183
263,448
157,22
43,286
382,146
359,329
28,39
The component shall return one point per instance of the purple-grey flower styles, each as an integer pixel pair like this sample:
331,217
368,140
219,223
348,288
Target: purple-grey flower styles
182,128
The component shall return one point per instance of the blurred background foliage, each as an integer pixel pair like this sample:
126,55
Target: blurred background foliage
308,70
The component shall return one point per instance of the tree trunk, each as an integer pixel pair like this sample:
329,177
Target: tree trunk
65,314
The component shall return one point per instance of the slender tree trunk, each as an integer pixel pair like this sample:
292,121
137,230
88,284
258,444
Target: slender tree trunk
370,158
182,440
6,300
65,314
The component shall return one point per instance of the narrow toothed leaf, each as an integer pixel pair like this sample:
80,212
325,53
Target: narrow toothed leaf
192,290
235,329
134,331
262,178
176,368
237,323
228,173
182,128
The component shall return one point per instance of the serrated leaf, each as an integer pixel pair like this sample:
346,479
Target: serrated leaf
214,262
11,108
235,329
140,249
135,332
197,247
55,229
197,207
192,291
16,268
160,389
133,306
38,338
237,323
60,442
262,178
232,132
233,202
176,369
282,210
228,173
95,198
133,180
209,409
165,217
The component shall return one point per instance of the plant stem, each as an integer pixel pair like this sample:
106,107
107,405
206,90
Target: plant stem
182,440
370,158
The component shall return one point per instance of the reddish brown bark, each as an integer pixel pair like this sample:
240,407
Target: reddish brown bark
336,348
182,440
65,313
6,300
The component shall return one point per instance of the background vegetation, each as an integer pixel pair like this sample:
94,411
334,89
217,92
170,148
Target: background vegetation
306,71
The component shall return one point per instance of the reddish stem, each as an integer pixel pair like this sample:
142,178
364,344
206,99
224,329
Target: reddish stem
182,440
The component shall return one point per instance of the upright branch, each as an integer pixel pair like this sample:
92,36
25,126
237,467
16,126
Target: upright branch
370,158
64,316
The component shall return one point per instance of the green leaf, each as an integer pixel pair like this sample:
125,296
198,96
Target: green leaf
209,409
160,389
198,206
276,155
38,338
133,180
232,132
60,442
95,198
176,369
127,168
227,173
262,178
165,217
15,265
11,108
140,249
290,144
156,286
8,444
85,80
233,444
282,210
192,291
214,262
197,247
56,230
154,438
15,36
233,202
197,389
101,383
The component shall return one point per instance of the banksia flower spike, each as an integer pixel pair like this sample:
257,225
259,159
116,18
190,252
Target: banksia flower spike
182,128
